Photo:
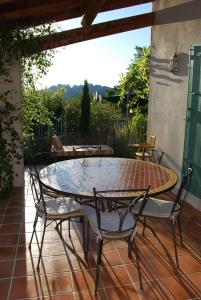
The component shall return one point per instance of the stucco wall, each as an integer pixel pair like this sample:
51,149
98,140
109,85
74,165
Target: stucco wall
13,84
168,92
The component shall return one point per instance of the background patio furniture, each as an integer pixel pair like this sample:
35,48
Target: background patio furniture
168,210
116,223
145,150
60,150
85,150
50,209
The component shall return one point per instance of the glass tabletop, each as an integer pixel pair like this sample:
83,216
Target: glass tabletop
78,177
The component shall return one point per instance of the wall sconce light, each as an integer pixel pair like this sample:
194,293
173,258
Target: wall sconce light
174,63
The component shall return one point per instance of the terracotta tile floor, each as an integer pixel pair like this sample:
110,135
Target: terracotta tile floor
66,275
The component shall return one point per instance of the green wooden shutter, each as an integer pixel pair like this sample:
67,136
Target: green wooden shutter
192,144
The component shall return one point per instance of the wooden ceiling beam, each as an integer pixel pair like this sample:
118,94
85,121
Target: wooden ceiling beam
111,5
34,13
42,11
95,31
91,10
8,1
20,6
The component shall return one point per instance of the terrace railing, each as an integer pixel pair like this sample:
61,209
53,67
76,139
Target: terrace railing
115,133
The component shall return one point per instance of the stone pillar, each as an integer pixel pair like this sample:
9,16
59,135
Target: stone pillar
12,83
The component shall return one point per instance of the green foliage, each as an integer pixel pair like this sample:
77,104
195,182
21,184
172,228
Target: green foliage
54,102
135,132
112,91
36,64
35,109
22,45
138,126
101,113
34,113
136,79
121,148
72,113
85,109
112,95
10,143
40,108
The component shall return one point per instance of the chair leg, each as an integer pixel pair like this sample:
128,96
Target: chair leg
144,225
174,241
138,264
180,231
87,241
69,228
100,246
83,235
41,245
61,227
129,248
34,230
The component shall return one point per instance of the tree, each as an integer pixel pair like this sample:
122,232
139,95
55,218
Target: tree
72,113
54,102
104,115
85,109
134,85
35,110
40,108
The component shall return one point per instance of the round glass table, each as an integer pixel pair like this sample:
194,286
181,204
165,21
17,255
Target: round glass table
78,177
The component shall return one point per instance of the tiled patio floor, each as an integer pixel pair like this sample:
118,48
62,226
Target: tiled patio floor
65,275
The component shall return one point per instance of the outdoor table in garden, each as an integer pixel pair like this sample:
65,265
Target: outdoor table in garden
77,177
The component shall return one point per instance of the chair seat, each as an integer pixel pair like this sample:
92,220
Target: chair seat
158,208
110,223
60,208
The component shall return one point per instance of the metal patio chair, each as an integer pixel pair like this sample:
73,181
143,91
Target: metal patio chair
37,162
145,151
157,156
40,160
51,209
168,210
114,221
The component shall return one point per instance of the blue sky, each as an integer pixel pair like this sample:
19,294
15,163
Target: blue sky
100,61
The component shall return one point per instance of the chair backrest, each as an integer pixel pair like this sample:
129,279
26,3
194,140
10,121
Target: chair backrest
37,190
184,188
56,142
41,160
157,156
152,141
115,201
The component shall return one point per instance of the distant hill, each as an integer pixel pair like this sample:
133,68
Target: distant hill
76,90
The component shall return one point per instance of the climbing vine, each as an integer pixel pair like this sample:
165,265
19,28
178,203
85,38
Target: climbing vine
23,46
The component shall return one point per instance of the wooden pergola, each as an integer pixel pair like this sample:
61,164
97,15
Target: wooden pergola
28,13
19,14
